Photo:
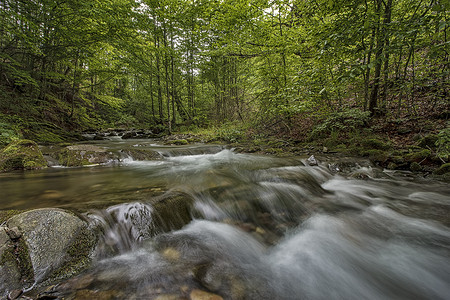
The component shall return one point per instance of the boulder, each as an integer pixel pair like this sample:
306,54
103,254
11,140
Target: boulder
49,244
21,155
82,155
10,275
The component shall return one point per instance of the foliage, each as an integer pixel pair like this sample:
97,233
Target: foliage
345,121
21,155
89,64
443,144
7,134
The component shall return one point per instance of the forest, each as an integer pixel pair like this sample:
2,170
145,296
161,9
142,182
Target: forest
316,71
224,149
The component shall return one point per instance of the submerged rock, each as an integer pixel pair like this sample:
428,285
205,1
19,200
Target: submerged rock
43,245
21,155
202,295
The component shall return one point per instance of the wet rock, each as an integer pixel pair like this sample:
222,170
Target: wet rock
141,154
202,295
9,270
169,297
57,242
171,254
14,294
129,135
99,295
21,155
81,155
177,142
312,161
14,233
172,211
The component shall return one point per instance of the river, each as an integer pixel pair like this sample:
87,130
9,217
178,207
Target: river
259,227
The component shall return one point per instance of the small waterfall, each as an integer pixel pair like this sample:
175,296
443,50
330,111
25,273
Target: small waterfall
123,227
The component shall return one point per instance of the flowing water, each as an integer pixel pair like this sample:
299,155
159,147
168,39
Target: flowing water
250,227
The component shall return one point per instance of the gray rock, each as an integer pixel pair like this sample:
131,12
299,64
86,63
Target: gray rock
58,241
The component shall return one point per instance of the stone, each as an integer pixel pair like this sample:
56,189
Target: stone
202,295
169,297
57,241
9,270
21,155
312,161
14,233
99,295
82,155
14,294
171,254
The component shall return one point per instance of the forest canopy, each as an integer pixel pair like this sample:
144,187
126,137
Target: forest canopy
80,64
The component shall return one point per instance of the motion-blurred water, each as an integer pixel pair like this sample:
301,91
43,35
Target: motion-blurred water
260,227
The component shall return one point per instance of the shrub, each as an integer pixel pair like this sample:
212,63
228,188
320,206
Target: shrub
347,120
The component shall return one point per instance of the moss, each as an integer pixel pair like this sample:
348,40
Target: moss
6,214
173,212
392,166
21,155
415,167
24,261
273,151
79,255
142,154
418,156
180,142
374,143
444,169
47,137
375,155
70,158
428,141
19,254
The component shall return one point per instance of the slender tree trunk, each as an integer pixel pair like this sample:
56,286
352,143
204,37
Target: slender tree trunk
166,73
382,36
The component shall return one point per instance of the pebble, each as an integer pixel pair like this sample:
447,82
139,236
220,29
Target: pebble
171,254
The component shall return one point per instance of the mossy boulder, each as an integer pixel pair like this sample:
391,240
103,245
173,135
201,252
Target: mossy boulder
374,143
172,211
179,142
375,155
83,155
142,154
49,244
10,275
418,156
21,155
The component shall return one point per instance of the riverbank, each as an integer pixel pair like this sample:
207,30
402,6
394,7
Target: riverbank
417,145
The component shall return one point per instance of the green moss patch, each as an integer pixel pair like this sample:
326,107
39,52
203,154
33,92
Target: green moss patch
6,214
21,155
